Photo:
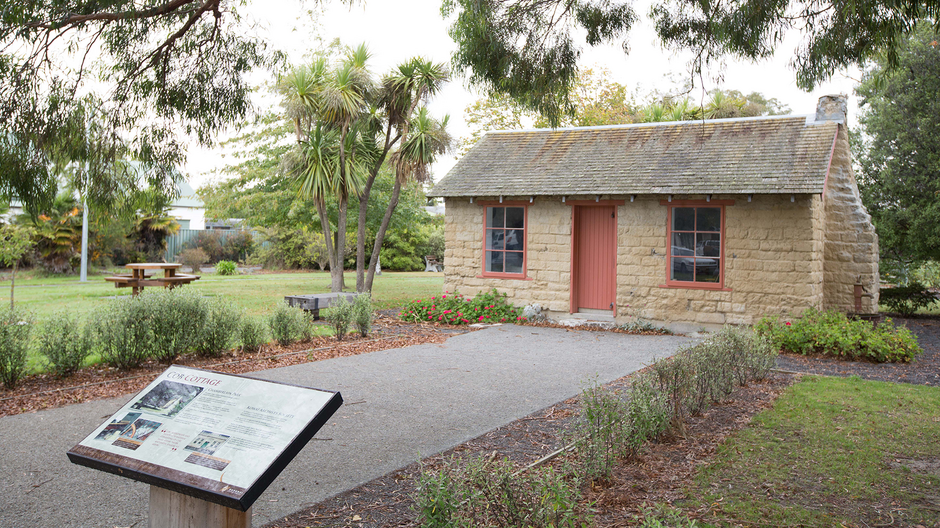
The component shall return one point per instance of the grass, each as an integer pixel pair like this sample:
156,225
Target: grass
45,295
831,452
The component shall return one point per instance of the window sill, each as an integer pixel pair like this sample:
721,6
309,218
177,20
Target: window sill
693,286
507,276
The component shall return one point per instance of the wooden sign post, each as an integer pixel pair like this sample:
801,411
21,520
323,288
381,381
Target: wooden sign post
208,443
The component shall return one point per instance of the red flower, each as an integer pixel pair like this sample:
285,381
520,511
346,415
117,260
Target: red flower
481,317
788,323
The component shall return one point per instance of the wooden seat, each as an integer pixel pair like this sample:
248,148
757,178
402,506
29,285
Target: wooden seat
432,264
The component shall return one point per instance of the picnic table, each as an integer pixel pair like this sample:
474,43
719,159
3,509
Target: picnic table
137,279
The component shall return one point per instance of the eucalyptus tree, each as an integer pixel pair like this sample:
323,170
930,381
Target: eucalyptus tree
529,49
162,69
898,151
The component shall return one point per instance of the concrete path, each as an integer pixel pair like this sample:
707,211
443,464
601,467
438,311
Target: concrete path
400,404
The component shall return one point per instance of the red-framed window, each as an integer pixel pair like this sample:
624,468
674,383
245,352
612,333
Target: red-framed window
696,238
504,240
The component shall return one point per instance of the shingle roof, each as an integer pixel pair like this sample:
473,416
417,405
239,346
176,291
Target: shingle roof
768,155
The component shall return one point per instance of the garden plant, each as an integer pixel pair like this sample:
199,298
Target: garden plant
456,309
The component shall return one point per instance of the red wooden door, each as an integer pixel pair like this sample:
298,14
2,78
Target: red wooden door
595,260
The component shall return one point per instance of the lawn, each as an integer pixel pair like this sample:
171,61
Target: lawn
256,294
831,452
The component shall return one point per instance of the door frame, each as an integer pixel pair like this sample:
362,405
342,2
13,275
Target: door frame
575,204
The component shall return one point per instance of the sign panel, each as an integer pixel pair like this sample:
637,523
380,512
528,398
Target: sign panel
218,437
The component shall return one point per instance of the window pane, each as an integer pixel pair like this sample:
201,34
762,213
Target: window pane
708,244
706,270
494,261
514,262
683,244
682,268
683,219
494,238
494,216
515,239
515,217
709,219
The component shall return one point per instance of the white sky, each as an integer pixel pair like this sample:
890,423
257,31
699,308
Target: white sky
396,30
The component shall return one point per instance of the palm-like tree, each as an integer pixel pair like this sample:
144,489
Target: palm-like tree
410,84
427,139
325,106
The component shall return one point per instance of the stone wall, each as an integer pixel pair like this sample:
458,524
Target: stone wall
773,260
851,242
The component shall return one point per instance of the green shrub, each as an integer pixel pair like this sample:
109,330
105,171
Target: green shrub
64,343
484,492
176,318
437,499
339,316
222,323
122,332
226,267
833,334
15,327
906,300
647,412
193,258
253,334
455,309
287,324
600,433
362,314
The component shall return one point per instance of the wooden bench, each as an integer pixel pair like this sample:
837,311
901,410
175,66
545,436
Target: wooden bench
432,264
317,301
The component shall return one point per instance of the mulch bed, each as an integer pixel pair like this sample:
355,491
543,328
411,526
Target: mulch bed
661,474
45,391
924,371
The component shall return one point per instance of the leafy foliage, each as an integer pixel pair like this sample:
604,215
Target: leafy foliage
123,334
455,309
833,334
339,316
287,324
226,267
362,315
897,154
253,334
15,327
193,258
485,492
64,343
219,328
15,241
528,50
180,66
906,300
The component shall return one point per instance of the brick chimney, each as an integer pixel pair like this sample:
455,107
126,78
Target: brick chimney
832,108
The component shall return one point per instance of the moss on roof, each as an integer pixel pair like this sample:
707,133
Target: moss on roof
769,155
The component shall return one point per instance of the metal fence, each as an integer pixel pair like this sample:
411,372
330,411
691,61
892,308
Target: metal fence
176,243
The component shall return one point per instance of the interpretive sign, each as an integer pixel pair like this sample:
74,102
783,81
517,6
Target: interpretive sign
217,437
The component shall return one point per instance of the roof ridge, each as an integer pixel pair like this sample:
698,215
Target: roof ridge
809,118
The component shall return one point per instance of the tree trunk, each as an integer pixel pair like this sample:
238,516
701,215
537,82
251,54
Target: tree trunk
361,234
339,253
12,280
327,236
380,236
364,209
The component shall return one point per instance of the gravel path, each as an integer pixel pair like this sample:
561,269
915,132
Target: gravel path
400,404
